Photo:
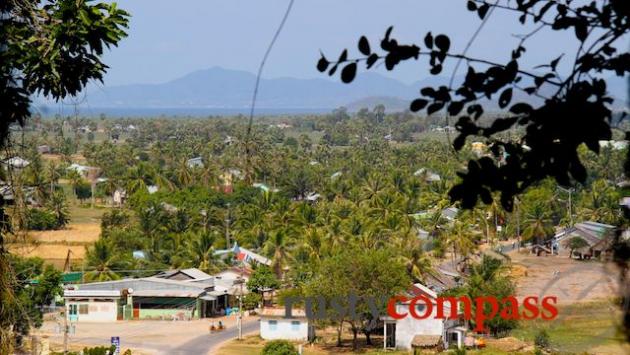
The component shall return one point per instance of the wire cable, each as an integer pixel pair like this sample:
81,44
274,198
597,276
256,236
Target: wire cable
257,84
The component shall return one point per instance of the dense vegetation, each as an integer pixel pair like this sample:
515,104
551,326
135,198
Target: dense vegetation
310,205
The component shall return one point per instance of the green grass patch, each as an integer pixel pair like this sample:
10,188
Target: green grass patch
578,327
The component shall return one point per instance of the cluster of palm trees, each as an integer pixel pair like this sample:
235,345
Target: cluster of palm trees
310,200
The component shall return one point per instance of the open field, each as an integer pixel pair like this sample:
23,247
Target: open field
585,327
53,253
53,246
86,215
570,280
74,233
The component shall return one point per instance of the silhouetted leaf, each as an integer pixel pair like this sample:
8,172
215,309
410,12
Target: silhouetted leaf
476,110
455,107
371,60
428,40
505,98
521,108
418,104
435,107
581,30
343,56
349,72
483,10
332,70
436,69
428,91
443,43
554,63
364,45
543,10
322,64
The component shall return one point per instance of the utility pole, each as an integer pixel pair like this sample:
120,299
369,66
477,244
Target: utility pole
240,305
65,329
570,206
227,228
518,226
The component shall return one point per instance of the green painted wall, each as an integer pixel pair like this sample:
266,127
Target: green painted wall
166,313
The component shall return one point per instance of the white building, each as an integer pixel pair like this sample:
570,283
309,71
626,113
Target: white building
429,333
195,162
274,325
92,305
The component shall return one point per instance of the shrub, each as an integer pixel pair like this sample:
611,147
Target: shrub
251,301
83,191
115,218
542,339
41,220
279,347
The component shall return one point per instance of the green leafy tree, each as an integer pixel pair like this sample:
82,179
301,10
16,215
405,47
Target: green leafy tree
59,207
362,273
576,243
262,279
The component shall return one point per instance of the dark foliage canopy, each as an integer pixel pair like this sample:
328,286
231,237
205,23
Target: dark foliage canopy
577,112
51,48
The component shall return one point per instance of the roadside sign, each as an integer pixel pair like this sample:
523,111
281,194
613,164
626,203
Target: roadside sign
116,341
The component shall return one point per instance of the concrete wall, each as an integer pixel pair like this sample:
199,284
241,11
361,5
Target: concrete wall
97,311
409,327
284,329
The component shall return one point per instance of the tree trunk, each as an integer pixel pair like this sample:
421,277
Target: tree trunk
368,339
339,331
355,343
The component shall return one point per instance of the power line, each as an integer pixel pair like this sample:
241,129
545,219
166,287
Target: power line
262,64
260,69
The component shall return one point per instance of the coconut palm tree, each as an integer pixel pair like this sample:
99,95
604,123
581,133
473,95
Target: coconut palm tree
277,248
417,263
537,224
101,261
201,253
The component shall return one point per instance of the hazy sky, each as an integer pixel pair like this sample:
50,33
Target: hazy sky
168,39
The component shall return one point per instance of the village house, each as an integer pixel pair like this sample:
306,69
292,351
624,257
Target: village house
429,176
244,255
174,294
88,172
44,149
16,163
274,325
598,237
195,162
119,197
422,334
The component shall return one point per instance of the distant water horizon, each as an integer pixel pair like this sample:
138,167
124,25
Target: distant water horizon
135,112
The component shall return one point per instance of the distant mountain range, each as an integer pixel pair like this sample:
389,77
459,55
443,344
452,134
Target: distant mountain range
218,89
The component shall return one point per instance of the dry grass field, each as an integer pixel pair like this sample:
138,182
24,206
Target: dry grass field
74,233
570,280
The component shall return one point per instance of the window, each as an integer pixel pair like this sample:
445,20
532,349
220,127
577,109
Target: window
73,309
273,325
420,308
295,325
83,309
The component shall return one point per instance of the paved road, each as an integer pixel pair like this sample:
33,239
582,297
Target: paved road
204,343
